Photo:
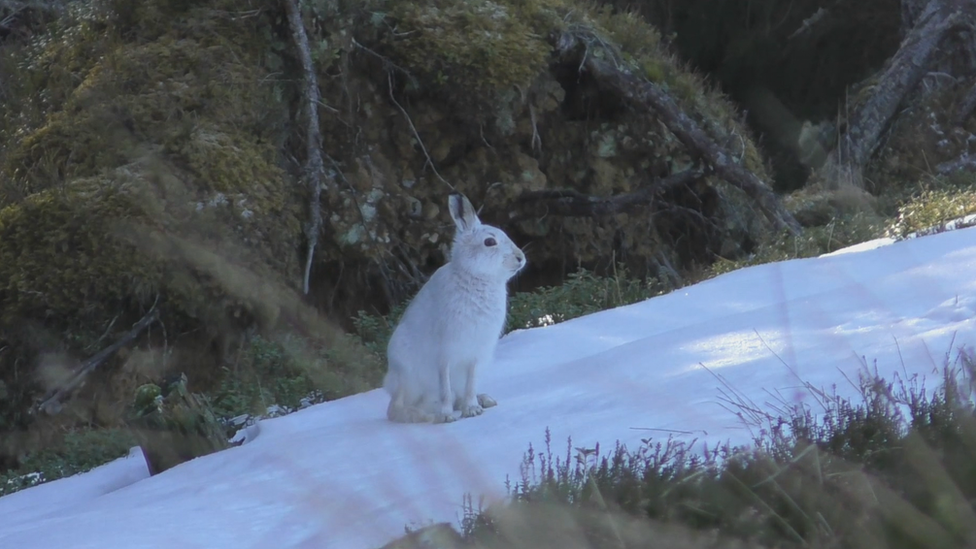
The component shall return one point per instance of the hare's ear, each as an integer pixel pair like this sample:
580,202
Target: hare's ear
462,212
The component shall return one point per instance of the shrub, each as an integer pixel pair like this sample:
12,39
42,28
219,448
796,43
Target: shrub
376,330
173,424
839,232
892,471
265,374
931,209
583,292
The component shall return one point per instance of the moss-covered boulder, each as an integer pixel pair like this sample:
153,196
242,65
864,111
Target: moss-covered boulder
155,148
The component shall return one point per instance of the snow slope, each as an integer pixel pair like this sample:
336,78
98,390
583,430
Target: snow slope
339,475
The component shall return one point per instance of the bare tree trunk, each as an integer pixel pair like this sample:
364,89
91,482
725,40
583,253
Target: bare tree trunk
904,71
645,96
314,165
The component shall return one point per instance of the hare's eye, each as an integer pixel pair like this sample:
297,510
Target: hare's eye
490,242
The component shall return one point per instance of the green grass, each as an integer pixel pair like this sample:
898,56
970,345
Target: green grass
77,452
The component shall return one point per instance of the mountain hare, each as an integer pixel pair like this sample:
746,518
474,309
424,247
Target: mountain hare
452,326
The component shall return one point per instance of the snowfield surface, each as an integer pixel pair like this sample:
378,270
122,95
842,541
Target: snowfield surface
339,475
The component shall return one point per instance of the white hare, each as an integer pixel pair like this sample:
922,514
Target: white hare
452,326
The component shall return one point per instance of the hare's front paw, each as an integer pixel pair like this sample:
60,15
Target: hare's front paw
447,418
447,414
486,401
471,409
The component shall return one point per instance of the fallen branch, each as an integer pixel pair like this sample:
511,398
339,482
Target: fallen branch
964,162
902,74
573,203
641,94
967,107
51,403
314,165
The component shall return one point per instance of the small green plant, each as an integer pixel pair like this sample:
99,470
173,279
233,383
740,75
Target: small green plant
375,330
174,425
584,292
266,374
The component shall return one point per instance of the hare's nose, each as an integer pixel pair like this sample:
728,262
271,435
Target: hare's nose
521,257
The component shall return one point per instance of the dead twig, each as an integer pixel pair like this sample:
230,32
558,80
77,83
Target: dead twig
104,334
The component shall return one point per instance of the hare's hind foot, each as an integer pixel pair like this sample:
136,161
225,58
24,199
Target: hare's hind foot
409,414
486,401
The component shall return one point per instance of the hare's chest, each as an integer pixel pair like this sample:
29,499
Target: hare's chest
469,340
486,314
477,320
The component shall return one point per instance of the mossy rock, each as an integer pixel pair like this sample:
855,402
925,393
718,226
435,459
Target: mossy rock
472,50
58,257
79,254
922,139
172,137
168,93
155,172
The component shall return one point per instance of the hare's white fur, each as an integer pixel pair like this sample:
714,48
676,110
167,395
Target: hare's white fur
452,326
